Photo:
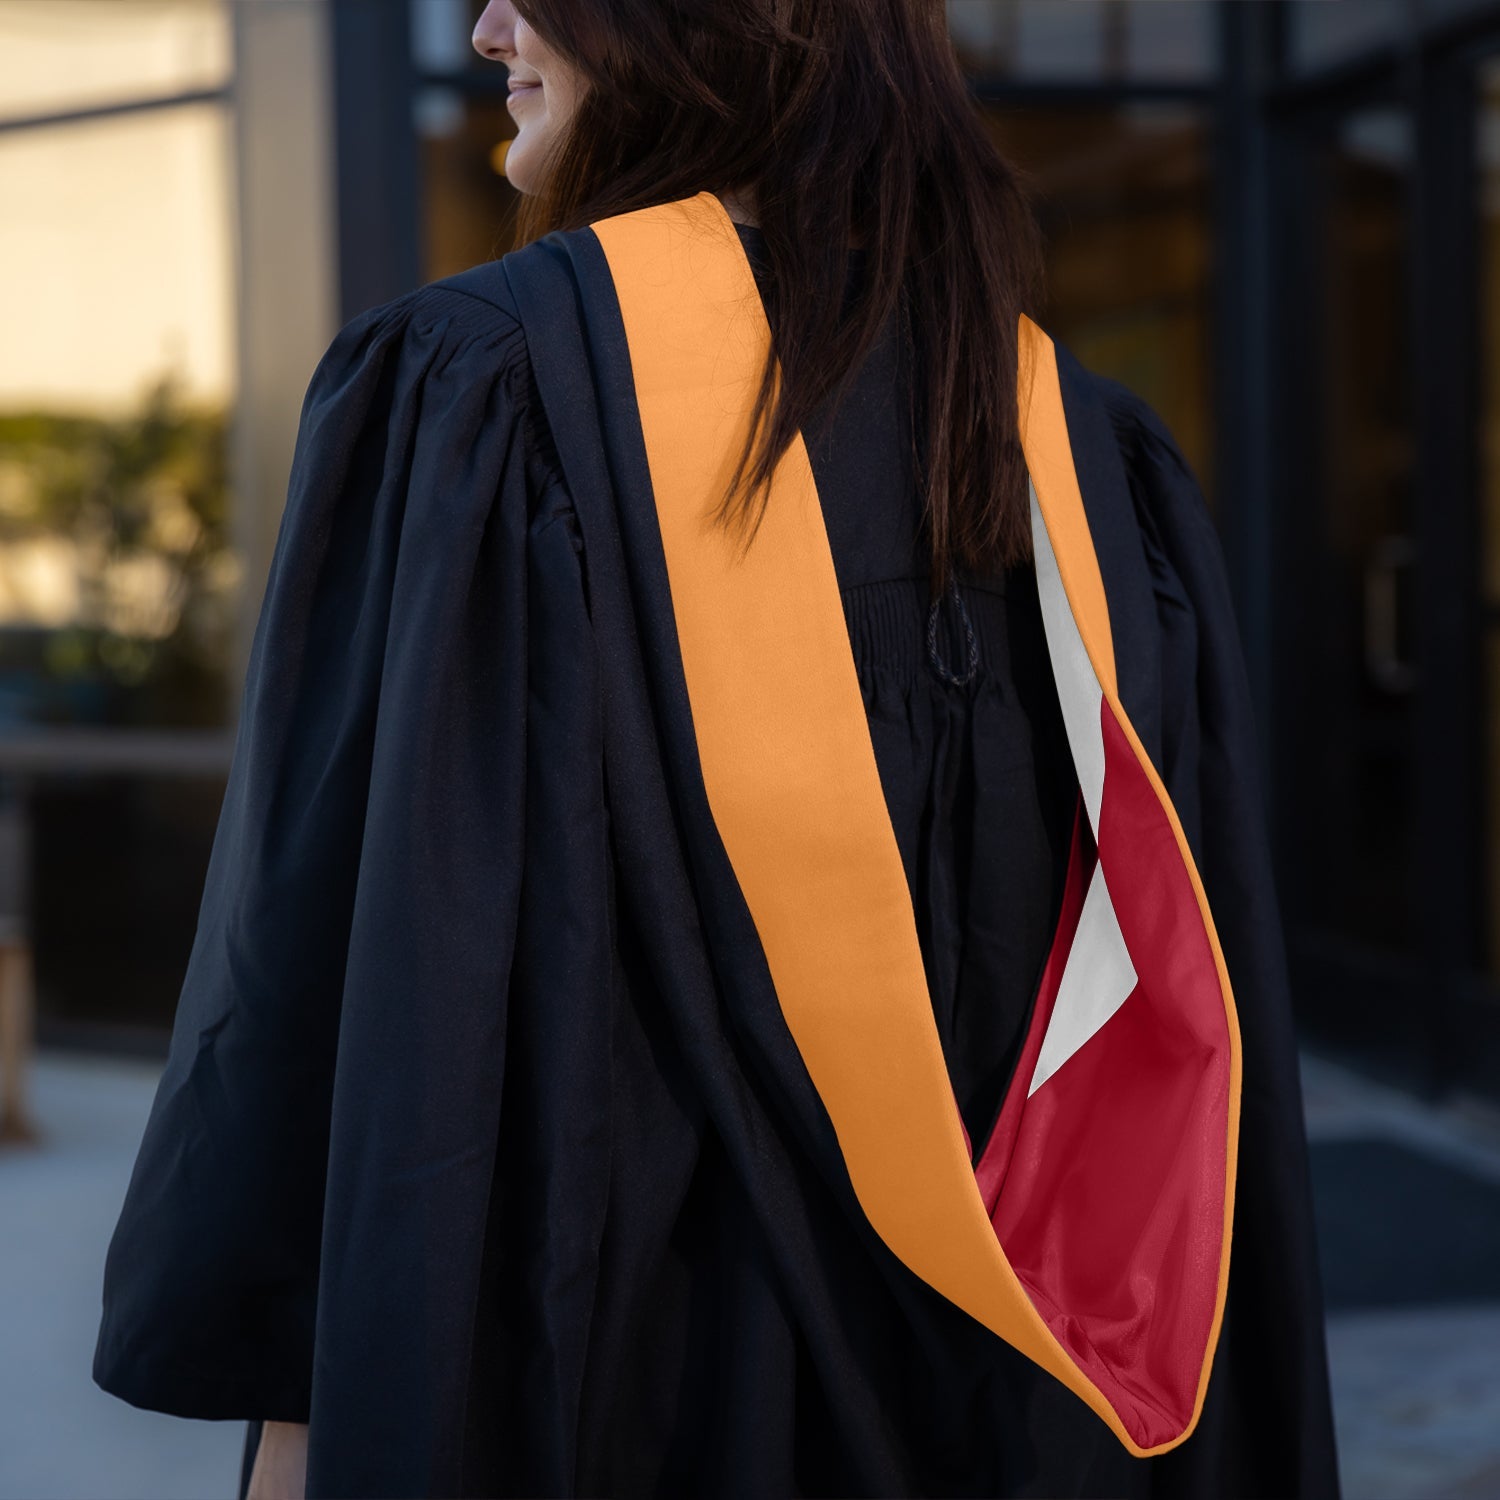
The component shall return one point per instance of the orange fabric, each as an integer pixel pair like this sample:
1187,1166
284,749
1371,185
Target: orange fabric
1044,437
788,766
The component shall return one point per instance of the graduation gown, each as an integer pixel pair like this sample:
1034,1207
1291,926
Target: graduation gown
502,1137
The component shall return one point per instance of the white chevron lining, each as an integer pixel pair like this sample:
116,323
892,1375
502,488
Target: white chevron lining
1099,975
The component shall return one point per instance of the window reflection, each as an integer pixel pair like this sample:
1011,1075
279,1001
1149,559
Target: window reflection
440,35
1355,642
470,204
1085,40
120,587
1444,10
464,128
60,55
114,259
1123,196
1323,33
117,578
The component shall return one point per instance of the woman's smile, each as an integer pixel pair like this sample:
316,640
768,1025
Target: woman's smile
548,84
518,88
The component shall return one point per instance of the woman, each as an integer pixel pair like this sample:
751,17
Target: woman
657,1022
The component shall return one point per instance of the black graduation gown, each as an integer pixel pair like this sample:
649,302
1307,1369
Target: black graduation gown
482,1143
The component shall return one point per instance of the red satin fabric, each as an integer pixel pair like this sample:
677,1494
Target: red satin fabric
1106,1187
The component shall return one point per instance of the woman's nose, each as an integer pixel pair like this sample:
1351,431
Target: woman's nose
495,31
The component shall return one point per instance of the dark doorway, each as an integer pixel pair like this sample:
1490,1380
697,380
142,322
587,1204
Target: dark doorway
1351,691
1385,609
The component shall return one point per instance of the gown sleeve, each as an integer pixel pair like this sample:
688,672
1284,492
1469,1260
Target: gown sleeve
1267,1422
334,1069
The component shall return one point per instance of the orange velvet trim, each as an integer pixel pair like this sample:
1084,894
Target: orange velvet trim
788,766
1049,460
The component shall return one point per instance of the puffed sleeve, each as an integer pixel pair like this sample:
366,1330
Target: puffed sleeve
332,1089
1267,1423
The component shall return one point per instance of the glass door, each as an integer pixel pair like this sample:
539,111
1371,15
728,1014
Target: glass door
1388,523
1350,688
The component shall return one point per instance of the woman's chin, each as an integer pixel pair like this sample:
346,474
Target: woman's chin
521,185
519,168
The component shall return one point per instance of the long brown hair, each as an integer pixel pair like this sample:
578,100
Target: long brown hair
837,119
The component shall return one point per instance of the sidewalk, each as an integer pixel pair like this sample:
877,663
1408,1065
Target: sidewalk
61,1437
1415,1357
1416,1383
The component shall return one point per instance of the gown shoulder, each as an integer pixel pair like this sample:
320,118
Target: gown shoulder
425,589
1166,492
461,335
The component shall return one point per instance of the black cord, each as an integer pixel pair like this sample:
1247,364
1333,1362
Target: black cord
934,659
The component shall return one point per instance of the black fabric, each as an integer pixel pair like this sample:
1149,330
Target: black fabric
482,1144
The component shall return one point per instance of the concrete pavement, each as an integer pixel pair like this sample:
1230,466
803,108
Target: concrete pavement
1417,1389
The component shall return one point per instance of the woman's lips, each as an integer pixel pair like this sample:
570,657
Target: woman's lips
517,89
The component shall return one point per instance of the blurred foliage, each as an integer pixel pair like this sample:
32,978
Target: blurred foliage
117,576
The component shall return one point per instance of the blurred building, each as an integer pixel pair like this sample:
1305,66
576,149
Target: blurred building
1279,222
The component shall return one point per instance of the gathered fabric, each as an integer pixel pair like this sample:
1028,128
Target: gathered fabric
483,1144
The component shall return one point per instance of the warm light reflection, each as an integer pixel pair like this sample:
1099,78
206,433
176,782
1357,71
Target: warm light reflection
40,581
115,259
118,576
115,543
58,55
